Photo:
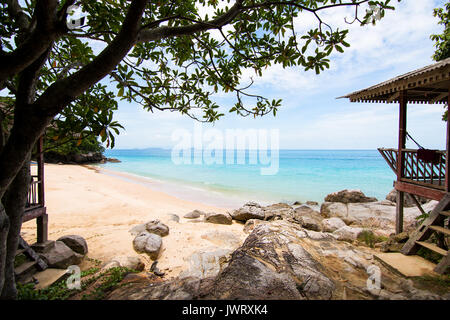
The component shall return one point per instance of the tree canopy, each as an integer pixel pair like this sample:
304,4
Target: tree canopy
176,63
442,40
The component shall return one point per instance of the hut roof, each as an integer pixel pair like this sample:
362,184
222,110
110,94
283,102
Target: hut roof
430,84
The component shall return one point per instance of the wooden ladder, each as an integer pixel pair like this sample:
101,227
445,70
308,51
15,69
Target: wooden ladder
34,262
434,223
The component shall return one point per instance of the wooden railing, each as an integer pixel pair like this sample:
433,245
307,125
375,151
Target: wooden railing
33,198
416,170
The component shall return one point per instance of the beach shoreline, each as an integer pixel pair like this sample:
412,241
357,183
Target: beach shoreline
103,206
180,191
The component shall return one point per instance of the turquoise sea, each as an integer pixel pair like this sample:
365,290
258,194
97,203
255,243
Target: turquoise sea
303,175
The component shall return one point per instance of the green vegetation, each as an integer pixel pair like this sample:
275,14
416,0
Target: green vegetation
420,219
371,239
96,284
439,283
429,255
19,259
436,238
71,146
442,41
108,283
440,280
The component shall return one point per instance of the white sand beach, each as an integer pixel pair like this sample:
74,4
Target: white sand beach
102,208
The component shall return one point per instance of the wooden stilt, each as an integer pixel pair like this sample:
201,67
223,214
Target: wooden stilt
42,228
399,212
40,167
418,205
447,155
401,160
41,221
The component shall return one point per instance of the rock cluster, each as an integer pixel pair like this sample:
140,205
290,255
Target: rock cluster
218,218
349,196
250,210
81,158
64,252
148,243
289,253
279,260
148,238
379,216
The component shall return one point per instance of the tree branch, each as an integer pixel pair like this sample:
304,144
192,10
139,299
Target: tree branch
48,28
165,32
15,11
64,91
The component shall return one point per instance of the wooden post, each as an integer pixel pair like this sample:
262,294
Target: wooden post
42,221
447,154
42,228
403,99
40,170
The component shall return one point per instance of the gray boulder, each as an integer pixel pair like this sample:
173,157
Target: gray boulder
156,227
278,211
137,229
130,262
408,201
250,210
148,243
252,204
207,263
76,243
373,215
332,224
194,214
308,218
349,196
347,233
61,256
273,264
218,218
251,224
173,217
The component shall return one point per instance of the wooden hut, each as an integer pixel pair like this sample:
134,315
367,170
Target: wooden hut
420,172
35,209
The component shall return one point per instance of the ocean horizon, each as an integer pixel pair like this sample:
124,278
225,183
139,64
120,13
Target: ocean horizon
302,175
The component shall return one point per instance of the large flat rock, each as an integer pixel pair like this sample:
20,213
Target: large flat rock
49,276
408,266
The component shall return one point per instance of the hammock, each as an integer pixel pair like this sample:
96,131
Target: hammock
426,155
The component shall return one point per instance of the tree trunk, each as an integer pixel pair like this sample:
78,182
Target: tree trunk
14,202
4,228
